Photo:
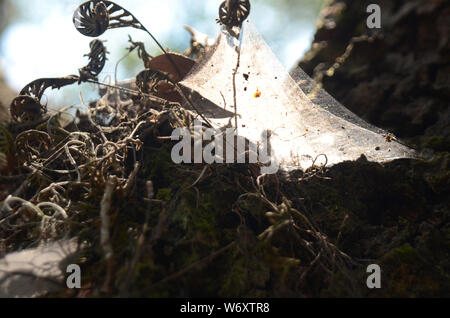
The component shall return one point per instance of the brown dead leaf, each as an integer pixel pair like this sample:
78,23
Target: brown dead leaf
164,63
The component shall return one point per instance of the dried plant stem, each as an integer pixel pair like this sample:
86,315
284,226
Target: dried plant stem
284,217
132,178
55,207
141,239
191,104
199,177
11,199
234,88
165,53
105,242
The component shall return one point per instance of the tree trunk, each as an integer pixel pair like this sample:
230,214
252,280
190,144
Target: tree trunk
396,77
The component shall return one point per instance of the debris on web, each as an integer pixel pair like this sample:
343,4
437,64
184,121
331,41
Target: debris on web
242,84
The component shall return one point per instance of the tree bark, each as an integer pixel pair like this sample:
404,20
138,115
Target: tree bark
396,77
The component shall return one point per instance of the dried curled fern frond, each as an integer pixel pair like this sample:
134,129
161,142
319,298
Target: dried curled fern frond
27,106
147,81
37,87
97,60
31,144
93,18
234,12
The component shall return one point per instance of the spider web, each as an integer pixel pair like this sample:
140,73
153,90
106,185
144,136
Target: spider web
303,121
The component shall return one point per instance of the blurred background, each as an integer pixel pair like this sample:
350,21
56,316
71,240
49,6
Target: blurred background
38,39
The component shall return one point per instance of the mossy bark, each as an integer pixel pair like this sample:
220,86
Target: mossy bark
397,78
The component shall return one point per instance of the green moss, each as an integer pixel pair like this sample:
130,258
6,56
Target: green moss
403,254
192,224
406,273
247,270
159,167
164,194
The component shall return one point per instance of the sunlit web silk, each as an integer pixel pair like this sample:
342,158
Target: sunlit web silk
303,125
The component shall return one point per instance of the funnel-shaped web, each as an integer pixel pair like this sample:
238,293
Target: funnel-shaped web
303,121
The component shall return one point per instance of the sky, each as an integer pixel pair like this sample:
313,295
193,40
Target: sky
44,43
